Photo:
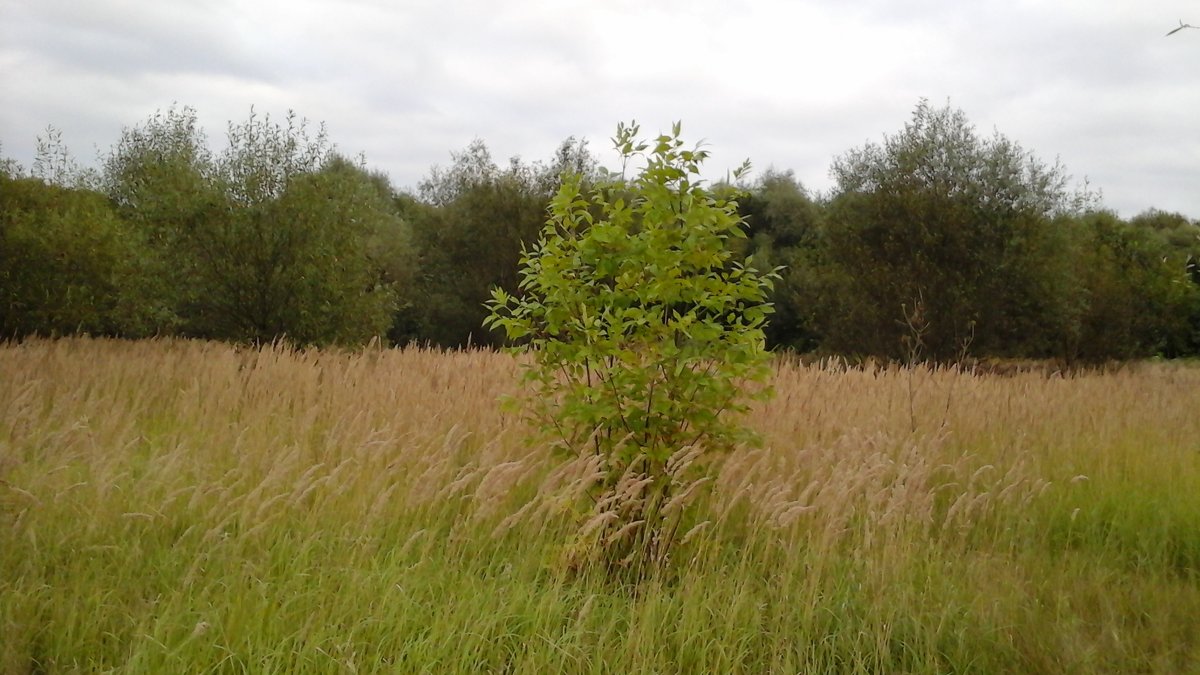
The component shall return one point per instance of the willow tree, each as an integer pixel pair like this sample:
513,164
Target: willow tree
941,240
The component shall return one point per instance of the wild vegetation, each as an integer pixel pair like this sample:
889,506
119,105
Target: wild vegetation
645,342
173,506
937,243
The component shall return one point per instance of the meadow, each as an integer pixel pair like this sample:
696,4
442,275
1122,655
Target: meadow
178,507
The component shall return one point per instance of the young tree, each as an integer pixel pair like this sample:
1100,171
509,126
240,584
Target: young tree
644,332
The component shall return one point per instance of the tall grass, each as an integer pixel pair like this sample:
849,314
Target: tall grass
173,506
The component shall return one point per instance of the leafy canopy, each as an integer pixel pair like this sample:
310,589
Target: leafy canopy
941,224
275,237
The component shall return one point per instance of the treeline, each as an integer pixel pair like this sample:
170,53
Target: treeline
935,244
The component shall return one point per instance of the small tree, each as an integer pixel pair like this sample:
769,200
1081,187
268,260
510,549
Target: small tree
644,331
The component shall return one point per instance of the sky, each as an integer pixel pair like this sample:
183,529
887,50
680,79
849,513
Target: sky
1095,84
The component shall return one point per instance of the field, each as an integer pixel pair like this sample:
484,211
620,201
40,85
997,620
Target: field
173,507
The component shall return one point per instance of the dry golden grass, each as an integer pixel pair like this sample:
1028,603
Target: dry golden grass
172,505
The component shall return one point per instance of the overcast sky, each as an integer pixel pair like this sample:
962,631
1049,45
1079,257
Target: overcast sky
1094,83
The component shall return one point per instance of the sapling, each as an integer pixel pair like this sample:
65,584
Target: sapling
644,330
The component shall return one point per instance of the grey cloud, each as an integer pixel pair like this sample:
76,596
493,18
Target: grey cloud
132,39
789,84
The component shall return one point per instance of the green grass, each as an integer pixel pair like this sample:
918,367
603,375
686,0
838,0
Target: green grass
189,507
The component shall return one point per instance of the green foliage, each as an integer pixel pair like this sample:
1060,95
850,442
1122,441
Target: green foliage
161,177
644,332
779,207
784,225
54,164
68,264
940,225
277,237
161,174
1133,296
1179,242
472,224
298,265
10,168
935,243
